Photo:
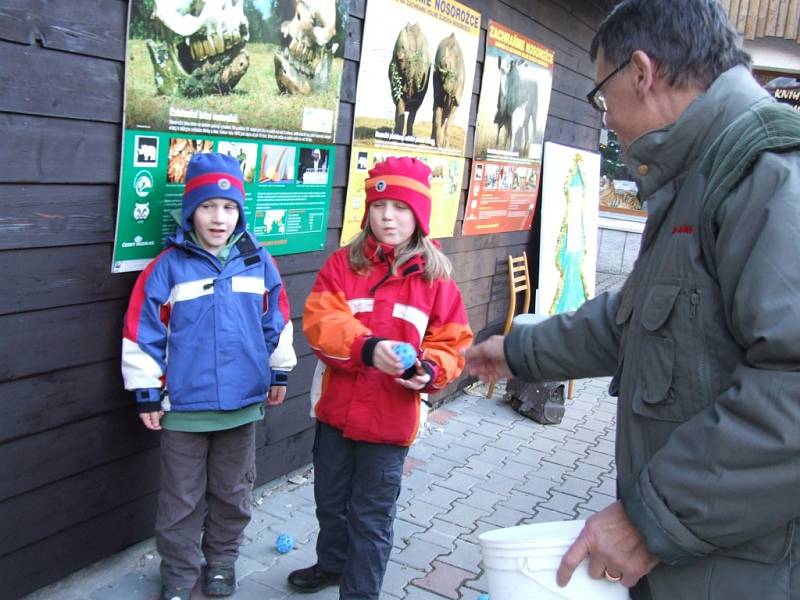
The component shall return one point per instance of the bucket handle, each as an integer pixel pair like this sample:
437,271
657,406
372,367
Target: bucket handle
524,567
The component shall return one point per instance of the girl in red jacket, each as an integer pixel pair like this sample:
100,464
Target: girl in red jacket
391,285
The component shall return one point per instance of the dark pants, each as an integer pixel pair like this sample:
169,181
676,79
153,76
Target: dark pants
356,485
206,484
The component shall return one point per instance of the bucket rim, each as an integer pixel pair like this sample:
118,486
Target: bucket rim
548,533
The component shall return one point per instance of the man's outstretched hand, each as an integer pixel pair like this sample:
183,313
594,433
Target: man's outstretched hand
487,360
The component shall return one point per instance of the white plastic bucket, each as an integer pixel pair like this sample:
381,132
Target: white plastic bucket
521,564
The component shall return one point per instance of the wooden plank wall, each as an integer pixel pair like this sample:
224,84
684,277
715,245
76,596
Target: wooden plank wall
765,18
78,473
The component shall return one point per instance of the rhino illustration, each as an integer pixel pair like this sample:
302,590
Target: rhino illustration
409,76
202,51
517,104
303,65
448,85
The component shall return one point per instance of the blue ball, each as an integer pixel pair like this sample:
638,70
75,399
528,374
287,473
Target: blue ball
284,543
406,354
483,597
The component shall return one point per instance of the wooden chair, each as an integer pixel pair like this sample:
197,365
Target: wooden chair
518,281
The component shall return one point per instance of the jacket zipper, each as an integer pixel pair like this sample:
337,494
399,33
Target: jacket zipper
694,300
705,378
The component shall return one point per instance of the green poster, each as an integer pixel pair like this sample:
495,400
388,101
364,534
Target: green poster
287,192
255,79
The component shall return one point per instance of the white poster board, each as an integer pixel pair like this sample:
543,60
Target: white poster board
568,246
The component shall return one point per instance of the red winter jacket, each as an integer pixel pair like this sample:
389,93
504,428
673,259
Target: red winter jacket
344,314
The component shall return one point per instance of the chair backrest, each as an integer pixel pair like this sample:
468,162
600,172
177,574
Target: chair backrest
518,281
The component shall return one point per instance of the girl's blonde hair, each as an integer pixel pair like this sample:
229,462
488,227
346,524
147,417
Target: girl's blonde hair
437,265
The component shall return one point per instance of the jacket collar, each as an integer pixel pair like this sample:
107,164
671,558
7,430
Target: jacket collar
183,239
659,156
378,252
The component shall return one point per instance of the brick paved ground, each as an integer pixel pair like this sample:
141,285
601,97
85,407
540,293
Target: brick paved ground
479,466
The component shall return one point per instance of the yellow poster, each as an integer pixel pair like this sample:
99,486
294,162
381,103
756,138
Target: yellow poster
413,99
447,173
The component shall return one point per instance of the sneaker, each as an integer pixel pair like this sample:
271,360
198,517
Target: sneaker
312,579
175,593
219,580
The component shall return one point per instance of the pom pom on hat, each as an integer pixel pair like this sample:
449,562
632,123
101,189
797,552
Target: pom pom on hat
405,179
212,175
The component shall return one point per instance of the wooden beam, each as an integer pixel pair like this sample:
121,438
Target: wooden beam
761,24
726,6
792,20
741,21
752,19
733,14
772,18
783,12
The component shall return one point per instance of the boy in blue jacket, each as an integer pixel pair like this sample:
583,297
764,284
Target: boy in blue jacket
206,339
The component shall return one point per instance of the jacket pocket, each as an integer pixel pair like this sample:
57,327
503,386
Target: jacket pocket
666,356
770,548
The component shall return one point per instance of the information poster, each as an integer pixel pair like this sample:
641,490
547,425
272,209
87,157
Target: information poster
254,79
413,99
568,246
512,113
447,173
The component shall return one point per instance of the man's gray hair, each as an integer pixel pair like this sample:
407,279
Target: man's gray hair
691,41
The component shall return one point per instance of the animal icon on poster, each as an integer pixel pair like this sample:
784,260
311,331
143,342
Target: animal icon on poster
141,211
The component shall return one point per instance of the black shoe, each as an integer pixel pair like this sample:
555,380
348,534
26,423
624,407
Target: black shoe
312,579
168,593
219,580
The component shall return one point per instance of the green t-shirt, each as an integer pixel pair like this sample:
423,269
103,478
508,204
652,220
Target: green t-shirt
212,420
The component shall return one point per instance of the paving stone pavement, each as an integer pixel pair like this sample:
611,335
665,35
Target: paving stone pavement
478,466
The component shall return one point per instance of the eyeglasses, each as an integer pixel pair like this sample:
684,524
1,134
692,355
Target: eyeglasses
596,97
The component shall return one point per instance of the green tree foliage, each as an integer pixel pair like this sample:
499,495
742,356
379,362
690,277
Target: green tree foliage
141,26
613,160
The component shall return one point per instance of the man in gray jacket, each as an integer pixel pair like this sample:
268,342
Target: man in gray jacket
703,340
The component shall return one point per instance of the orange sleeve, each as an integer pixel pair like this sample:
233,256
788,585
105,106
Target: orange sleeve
448,334
336,336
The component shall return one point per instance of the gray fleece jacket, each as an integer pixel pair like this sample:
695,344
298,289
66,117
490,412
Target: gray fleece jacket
706,367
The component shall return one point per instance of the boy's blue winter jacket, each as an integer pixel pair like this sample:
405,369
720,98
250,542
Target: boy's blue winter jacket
201,330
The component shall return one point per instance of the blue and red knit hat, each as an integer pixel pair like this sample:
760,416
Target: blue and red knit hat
405,179
212,175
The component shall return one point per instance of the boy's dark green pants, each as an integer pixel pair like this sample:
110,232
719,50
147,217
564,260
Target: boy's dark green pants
206,484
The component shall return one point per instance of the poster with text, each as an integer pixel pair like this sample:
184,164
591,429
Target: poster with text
416,76
447,173
512,114
568,246
287,193
413,99
235,76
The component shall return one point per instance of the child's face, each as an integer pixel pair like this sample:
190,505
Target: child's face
214,221
392,221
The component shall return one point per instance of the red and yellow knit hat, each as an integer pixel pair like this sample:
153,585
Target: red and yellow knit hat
405,179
